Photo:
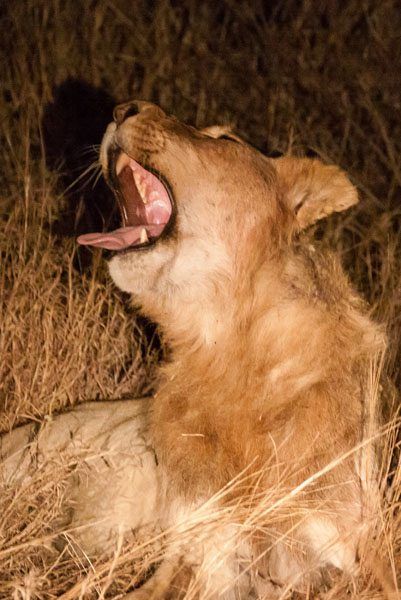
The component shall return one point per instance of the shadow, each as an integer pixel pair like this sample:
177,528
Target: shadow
73,127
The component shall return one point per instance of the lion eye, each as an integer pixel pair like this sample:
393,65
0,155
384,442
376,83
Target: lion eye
225,136
220,133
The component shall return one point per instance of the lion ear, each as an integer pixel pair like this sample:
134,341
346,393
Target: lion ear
314,190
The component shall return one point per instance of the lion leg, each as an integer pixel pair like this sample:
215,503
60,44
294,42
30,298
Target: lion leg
203,558
112,485
170,582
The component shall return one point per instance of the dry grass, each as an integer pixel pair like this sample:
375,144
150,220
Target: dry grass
292,76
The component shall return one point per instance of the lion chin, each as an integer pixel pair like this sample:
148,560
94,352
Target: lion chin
252,455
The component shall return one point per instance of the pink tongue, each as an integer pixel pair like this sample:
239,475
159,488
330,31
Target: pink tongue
145,204
119,238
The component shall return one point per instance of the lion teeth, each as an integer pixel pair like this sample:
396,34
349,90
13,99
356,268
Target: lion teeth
144,236
122,162
141,187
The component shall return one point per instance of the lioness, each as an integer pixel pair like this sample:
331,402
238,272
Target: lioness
266,386
261,471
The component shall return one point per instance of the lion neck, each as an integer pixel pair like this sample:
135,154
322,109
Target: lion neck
273,347
268,335
245,338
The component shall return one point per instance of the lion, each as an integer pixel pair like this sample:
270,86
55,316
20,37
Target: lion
271,349
261,425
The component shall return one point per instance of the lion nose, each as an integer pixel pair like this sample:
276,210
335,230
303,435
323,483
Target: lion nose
130,109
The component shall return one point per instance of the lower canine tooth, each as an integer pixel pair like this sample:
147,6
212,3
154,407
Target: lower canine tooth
144,236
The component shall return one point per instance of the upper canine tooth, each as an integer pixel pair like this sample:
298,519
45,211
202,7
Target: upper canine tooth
141,188
144,236
122,161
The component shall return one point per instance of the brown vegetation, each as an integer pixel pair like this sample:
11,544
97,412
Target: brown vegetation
291,77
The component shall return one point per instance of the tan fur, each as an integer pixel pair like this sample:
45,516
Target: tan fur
111,474
270,347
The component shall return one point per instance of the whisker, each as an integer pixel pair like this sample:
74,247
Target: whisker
89,172
83,165
98,176
93,148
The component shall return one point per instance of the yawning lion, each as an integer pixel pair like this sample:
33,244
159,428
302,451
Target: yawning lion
270,348
260,425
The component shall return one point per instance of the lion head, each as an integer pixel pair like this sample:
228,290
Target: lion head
202,211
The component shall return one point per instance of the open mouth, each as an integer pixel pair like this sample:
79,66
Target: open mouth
145,205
